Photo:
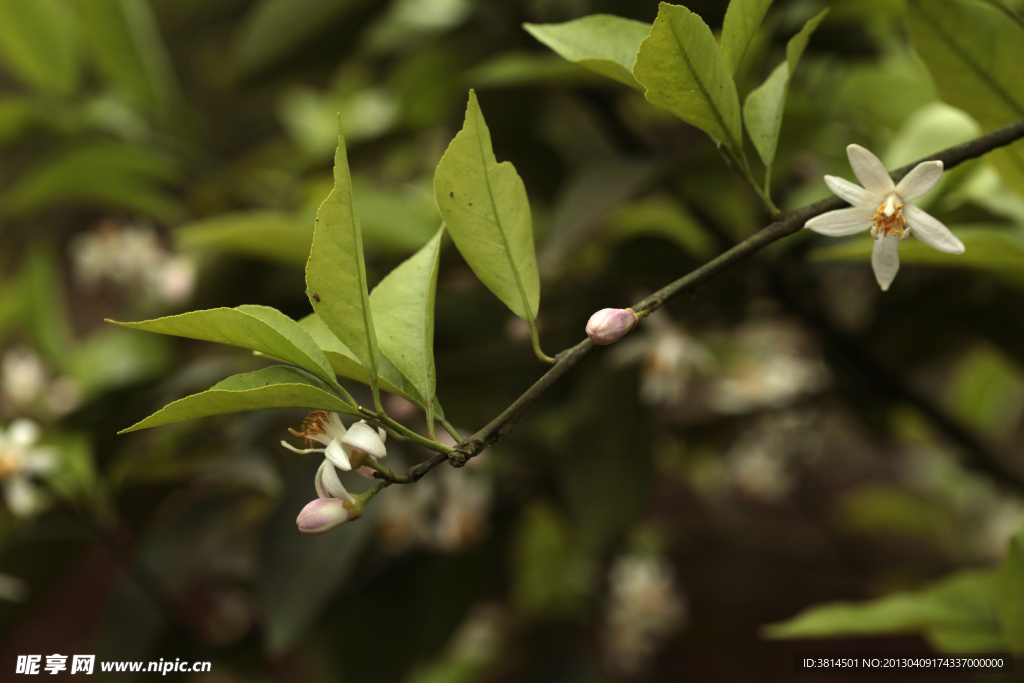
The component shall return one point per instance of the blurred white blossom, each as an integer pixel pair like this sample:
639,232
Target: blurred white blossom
132,258
644,607
27,387
20,461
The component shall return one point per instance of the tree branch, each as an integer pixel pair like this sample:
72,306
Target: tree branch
785,223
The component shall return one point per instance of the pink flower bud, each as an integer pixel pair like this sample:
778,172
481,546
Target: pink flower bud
323,514
609,325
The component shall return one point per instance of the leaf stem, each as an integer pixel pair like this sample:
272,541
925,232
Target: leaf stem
535,338
451,430
404,433
742,168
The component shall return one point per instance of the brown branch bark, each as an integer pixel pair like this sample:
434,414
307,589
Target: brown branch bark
784,224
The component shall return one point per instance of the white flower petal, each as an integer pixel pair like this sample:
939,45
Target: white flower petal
931,231
40,461
23,432
885,259
855,194
20,496
336,454
334,427
363,437
842,222
327,481
382,434
870,171
919,181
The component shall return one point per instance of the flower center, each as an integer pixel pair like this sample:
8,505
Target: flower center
889,220
10,462
312,426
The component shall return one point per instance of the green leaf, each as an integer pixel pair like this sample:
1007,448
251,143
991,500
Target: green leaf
345,364
271,235
960,608
974,54
278,386
38,44
485,207
1011,593
259,328
996,250
764,106
403,308
742,19
336,273
600,42
683,71
107,174
130,52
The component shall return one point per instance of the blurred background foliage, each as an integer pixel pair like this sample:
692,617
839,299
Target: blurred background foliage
787,436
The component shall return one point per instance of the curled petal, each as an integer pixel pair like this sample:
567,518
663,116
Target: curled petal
363,437
885,259
338,456
842,222
919,181
855,194
328,485
23,432
321,515
931,230
302,451
870,171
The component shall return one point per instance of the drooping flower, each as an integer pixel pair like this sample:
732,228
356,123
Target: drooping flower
346,449
886,209
20,460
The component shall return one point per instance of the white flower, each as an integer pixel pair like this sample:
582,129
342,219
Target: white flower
19,462
345,448
885,208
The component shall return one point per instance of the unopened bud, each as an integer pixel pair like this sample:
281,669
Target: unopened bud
609,325
323,514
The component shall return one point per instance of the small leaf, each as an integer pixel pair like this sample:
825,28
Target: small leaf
742,19
403,307
974,55
259,328
485,207
130,52
336,272
345,364
1010,577
270,235
37,41
683,71
600,42
763,108
278,386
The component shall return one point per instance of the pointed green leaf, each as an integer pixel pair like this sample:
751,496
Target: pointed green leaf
485,207
742,19
345,364
600,42
403,308
683,71
259,328
763,109
336,272
975,53
38,44
279,386
1010,577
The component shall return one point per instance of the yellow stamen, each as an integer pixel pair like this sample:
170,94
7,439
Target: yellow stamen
312,426
895,224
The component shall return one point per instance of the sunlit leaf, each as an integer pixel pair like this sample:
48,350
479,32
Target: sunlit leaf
278,386
38,43
742,19
336,272
403,309
259,328
964,603
974,54
763,108
600,42
683,71
130,52
270,235
485,207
